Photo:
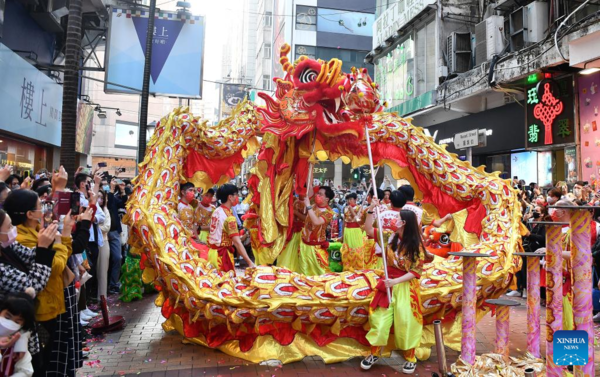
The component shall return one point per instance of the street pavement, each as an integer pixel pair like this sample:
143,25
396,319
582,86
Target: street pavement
144,349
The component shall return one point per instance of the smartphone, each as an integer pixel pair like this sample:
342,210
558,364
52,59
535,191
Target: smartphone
86,171
102,164
47,213
75,203
62,204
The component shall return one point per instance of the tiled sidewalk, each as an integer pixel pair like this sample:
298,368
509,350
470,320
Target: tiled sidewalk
144,349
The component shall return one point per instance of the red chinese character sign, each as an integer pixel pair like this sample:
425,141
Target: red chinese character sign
550,116
547,110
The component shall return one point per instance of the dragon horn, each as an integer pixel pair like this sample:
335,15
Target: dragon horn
284,60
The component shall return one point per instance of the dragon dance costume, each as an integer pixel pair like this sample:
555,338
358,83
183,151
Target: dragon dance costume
353,257
223,227
314,258
290,256
203,216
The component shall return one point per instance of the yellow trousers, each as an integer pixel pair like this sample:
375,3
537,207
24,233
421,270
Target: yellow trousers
290,257
405,314
314,260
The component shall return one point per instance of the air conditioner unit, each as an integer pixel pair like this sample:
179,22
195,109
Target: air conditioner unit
459,52
488,38
528,25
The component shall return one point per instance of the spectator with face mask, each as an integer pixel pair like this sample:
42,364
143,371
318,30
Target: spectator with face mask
14,182
24,269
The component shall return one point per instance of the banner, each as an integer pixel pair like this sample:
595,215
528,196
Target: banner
31,104
177,52
589,118
231,96
85,125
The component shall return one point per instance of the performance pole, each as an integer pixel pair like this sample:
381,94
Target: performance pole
380,228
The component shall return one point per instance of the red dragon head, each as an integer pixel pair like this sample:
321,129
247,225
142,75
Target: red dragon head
310,96
362,97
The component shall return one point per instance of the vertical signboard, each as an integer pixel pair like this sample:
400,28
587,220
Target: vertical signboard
85,121
177,52
231,96
589,121
550,115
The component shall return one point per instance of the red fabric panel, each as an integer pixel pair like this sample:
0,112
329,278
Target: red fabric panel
214,168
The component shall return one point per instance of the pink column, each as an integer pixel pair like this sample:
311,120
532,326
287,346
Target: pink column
533,305
469,302
502,330
554,295
581,257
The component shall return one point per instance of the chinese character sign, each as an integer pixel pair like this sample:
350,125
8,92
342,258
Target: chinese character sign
550,116
177,52
31,103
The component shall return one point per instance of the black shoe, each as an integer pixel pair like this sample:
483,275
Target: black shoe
409,367
368,362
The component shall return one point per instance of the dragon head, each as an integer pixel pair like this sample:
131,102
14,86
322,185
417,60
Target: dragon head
309,96
362,96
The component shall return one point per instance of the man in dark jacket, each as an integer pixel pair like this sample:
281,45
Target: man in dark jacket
117,198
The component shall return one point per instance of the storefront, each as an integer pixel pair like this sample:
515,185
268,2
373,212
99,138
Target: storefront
551,129
589,105
30,115
505,136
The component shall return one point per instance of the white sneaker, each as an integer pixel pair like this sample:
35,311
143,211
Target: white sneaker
514,294
84,317
90,313
596,318
409,368
524,295
83,323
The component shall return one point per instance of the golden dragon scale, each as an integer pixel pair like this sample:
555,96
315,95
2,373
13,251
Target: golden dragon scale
270,312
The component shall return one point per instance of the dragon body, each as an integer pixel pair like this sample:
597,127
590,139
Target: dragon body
270,312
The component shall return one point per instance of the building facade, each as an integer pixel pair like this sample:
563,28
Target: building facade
457,65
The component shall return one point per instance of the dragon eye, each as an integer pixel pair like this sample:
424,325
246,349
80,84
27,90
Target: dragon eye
444,239
308,75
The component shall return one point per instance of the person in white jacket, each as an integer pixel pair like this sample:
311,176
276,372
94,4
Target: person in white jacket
104,254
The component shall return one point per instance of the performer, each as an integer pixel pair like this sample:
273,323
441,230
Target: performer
185,209
389,217
314,258
289,257
353,246
405,258
203,214
224,238
410,205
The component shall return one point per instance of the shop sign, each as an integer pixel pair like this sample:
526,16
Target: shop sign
31,102
550,117
394,74
589,117
396,17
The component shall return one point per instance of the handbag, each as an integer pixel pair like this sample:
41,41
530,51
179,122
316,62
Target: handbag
595,291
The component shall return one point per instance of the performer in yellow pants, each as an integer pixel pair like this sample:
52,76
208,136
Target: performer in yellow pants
314,258
404,255
289,257
353,257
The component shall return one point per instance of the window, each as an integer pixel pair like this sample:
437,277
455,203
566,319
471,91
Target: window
354,23
268,19
425,59
306,18
126,135
267,51
308,51
266,84
349,58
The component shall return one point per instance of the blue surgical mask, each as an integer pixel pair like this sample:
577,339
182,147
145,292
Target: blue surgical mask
106,188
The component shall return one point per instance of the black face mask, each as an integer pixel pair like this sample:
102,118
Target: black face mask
537,215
